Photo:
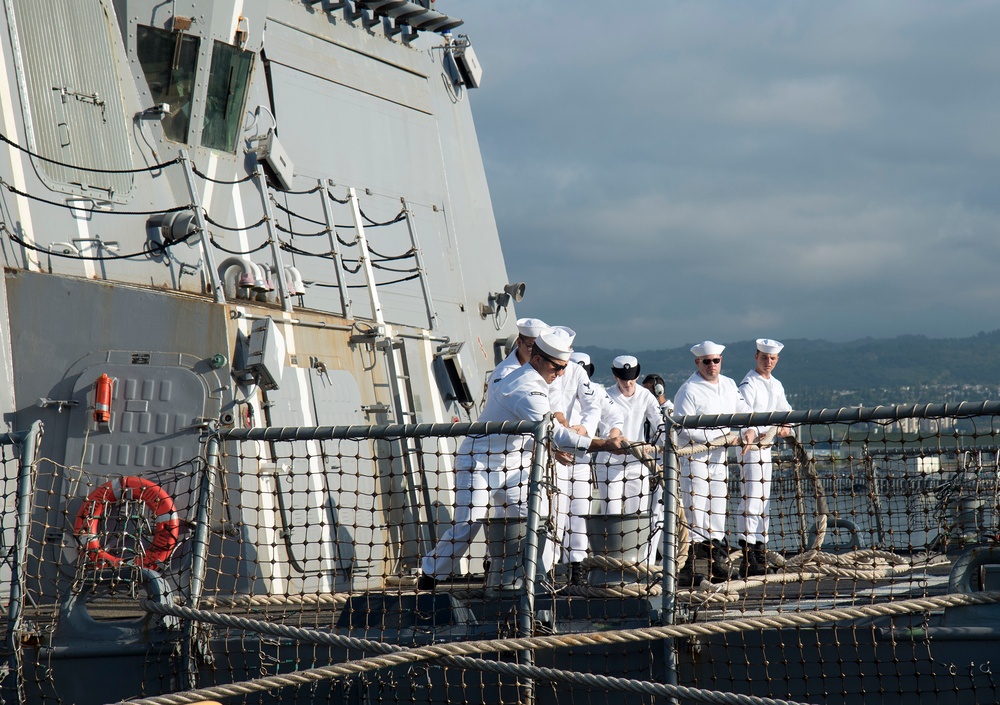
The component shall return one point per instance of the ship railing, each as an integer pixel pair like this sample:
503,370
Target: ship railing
18,453
300,554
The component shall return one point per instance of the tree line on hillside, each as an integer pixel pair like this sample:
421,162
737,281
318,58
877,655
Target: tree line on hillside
911,369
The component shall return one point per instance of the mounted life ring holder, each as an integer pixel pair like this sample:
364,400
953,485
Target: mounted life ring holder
968,574
168,524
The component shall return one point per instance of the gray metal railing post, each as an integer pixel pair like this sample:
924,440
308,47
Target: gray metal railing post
671,512
218,289
206,492
418,258
526,608
199,552
338,257
29,451
272,236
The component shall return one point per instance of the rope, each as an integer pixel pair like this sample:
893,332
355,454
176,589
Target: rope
439,651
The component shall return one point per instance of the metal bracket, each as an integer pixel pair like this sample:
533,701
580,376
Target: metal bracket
60,404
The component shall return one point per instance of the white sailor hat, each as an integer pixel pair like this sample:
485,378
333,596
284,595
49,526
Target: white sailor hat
531,327
625,367
566,332
766,345
583,360
707,348
555,344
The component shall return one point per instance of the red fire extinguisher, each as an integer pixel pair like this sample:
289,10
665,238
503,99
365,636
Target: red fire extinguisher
102,399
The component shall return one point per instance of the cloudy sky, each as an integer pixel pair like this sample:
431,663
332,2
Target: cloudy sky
667,171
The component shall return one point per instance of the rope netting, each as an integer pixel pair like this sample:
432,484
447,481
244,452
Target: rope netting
857,562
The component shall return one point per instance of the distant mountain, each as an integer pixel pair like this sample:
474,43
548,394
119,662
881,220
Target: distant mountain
818,373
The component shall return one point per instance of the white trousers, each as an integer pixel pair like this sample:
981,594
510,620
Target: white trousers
622,488
572,508
755,505
704,492
505,488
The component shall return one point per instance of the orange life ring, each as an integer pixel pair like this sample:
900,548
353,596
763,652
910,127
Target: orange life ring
168,525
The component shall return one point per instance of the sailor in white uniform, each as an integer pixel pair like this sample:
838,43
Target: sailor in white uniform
495,469
763,392
623,483
575,494
527,330
575,404
704,475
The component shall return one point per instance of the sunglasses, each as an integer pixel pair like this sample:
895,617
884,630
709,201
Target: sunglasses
712,361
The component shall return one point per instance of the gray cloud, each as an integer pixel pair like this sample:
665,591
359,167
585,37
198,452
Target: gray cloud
666,172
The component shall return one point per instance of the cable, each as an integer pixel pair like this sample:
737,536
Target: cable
154,167
67,255
409,253
398,217
283,209
216,244
293,233
395,281
306,192
93,209
208,219
206,177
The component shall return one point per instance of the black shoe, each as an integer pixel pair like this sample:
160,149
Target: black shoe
426,582
687,578
759,554
719,566
754,560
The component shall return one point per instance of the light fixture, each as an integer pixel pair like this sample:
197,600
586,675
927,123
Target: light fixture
501,299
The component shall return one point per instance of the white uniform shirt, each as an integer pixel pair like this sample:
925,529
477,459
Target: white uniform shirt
574,395
641,406
520,396
763,394
699,396
508,365
611,413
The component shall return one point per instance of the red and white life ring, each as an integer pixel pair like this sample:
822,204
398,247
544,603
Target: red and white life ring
168,524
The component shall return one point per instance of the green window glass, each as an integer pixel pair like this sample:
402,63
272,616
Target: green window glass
227,90
169,60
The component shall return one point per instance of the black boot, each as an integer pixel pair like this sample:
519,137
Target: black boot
687,578
720,568
746,550
754,560
759,553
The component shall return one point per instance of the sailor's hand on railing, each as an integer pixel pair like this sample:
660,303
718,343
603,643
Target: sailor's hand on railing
563,458
617,445
749,436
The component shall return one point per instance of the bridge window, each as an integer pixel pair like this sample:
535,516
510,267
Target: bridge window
169,61
227,89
